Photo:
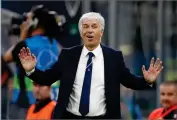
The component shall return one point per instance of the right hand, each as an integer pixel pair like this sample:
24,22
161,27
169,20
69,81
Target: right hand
24,30
27,59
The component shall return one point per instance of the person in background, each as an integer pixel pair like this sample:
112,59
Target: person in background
38,32
6,78
168,100
44,106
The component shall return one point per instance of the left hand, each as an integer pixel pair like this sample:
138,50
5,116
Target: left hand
153,72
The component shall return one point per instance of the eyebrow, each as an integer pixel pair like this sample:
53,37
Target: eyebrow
85,24
94,23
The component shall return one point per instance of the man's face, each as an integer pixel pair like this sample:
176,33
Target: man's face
41,92
91,32
168,95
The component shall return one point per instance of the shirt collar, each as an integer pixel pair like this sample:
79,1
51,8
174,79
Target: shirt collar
96,51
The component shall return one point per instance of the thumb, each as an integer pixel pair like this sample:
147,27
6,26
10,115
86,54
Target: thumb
143,69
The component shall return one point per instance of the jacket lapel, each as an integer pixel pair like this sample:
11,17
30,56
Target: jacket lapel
106,62
106,69
74,60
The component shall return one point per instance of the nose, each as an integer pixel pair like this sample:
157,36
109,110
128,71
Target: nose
90,30
165,97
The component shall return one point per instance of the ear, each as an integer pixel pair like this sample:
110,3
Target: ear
101,33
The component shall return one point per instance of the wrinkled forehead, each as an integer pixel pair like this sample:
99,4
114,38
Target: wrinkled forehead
90,20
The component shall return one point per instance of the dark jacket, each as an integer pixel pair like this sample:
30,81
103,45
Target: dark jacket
115,73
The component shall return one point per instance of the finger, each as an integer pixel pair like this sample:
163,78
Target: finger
160,70
159,66
28,51
22,52
152,62
157,63
25,52
20,57
143,69
33,57
22,60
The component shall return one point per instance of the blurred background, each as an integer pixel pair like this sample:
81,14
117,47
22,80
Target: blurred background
141,29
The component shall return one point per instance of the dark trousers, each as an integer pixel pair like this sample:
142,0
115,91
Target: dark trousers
68,115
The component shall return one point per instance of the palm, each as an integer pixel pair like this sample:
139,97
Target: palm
150,74
28,61
153,72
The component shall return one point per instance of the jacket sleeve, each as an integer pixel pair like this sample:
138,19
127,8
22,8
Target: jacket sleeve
51,75
128,79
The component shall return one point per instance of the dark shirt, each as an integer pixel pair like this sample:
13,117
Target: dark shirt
172,115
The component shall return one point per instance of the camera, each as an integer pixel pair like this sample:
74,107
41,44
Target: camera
16,22
15,25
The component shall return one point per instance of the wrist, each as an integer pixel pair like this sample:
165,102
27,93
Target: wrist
28,73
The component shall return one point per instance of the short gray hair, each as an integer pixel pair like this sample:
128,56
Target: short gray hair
94,15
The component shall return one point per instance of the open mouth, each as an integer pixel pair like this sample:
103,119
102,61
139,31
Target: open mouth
90,37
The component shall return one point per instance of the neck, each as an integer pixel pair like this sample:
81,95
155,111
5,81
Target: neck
37,32
41,103
43,99
91,48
